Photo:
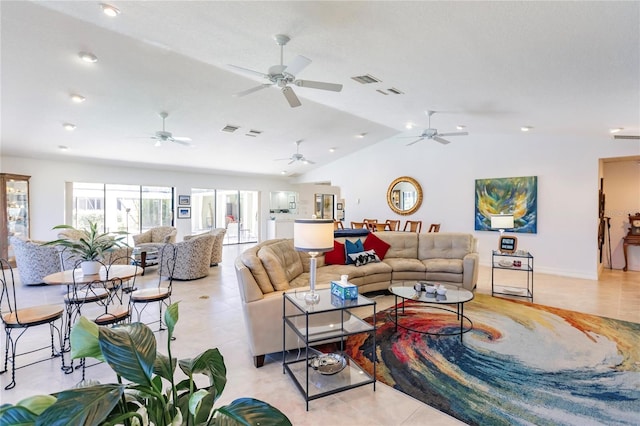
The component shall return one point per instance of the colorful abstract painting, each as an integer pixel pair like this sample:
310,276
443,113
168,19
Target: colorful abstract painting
515,195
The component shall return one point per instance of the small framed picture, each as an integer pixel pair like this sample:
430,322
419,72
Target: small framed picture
184,212
338,206
184,200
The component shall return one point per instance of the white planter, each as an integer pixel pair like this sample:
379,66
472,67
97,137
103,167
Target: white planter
90,267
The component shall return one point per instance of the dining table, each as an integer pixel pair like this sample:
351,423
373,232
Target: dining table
102,287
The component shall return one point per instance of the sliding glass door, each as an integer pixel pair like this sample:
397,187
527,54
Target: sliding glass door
236,211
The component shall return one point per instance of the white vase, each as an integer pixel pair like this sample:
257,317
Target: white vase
90,267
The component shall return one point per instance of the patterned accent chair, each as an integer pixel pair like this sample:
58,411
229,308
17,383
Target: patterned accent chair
156,237
216,251
192,258
34,261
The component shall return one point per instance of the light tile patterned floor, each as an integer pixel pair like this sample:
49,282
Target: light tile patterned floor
210,316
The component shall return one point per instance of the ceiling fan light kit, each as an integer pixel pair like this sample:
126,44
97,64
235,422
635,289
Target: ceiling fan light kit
283,76
297,156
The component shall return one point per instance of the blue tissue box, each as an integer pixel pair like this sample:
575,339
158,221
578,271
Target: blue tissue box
339,302
347,292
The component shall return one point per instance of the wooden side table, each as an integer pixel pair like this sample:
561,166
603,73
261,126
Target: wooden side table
629,240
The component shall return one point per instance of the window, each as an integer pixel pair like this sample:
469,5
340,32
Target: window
117,208
236,211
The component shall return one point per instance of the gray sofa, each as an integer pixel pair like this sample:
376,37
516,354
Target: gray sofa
270,268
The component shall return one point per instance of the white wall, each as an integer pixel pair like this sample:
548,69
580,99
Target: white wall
47,187
568,181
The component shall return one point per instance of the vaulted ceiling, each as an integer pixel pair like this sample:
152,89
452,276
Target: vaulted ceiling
563,68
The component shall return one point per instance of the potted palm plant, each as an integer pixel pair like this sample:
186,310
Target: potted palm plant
88,246
151,394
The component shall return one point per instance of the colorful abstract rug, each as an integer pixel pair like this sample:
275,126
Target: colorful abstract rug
521,364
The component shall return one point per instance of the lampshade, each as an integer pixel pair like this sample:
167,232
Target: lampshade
313,235
502,221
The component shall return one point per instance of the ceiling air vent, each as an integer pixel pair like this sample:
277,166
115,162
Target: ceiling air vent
229,128
366,79
254,133
382,92
629,137
395,91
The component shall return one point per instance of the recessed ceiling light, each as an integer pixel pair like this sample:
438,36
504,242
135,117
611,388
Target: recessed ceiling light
109,10
332,150
526,128
461,127
284,172
616,129
77,98
68,126
361,135
409,125
63,148
88,57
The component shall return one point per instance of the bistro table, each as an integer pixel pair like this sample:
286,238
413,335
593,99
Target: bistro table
101,287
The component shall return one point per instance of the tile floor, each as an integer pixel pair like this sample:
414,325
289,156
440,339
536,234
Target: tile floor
210,317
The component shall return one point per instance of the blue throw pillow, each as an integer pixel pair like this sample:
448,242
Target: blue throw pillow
350,248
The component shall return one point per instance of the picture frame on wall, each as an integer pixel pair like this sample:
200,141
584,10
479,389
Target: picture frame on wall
184,212
184,200
339,206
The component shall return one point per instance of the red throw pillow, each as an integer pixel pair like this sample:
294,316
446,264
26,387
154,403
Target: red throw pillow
335,256
374,243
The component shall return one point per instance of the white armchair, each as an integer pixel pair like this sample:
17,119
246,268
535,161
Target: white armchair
156,237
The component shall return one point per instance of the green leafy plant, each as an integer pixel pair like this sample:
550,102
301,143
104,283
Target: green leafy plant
89,244
130,351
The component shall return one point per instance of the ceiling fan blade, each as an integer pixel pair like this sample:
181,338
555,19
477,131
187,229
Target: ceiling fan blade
309,161
293,160
454,134
253,89
248,71
181,141
416,141
298,64
182,138
291,97
319,85
442,141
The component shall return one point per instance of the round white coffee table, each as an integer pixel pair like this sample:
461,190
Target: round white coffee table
454,297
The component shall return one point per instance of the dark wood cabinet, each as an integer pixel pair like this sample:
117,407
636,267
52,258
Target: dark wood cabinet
14,211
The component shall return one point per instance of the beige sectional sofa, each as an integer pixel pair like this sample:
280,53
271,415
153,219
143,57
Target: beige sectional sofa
270,268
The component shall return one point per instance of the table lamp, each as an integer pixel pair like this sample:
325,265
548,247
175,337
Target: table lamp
313,236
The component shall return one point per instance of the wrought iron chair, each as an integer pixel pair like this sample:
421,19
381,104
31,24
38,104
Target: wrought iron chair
21,319
161,294
413,226
114,309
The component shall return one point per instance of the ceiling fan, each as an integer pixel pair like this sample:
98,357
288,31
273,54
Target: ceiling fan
164,136
284,75
297,156
434,135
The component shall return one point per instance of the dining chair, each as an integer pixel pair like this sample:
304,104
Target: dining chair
337,224
394,225
381,227
413,226
359,225
140,299
20,320
434,227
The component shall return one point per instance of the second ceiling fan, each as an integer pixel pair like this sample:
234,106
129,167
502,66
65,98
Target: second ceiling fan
283,76
434,135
